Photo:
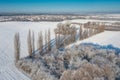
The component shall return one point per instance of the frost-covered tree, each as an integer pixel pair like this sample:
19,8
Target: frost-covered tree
109,72
17,47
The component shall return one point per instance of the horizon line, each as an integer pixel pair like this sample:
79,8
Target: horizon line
65,12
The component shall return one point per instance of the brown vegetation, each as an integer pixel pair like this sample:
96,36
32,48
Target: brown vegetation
89,72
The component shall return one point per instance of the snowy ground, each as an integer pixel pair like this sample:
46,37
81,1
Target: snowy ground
104,38
7,30
91,20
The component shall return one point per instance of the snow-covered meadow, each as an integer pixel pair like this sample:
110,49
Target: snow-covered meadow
7,30
104,38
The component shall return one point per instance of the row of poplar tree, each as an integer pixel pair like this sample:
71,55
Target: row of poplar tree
43,44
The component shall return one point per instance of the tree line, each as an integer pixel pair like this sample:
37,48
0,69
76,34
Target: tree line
43,44
65,34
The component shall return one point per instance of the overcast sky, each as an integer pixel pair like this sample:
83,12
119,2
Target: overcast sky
59,5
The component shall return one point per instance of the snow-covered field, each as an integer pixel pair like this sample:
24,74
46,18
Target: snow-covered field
104,38
91,20
7,30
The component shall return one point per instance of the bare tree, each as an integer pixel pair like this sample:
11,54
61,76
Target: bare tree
80,33
65,34
56,40
49,38
87,32
74,34
58,37
40,42
101,28
30,47
33,42
17,47
90,31
46,48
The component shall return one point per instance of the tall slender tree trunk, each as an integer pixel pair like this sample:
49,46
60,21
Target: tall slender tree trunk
80,32
17,47
49,38
46,48
33,42
30,48
40,42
